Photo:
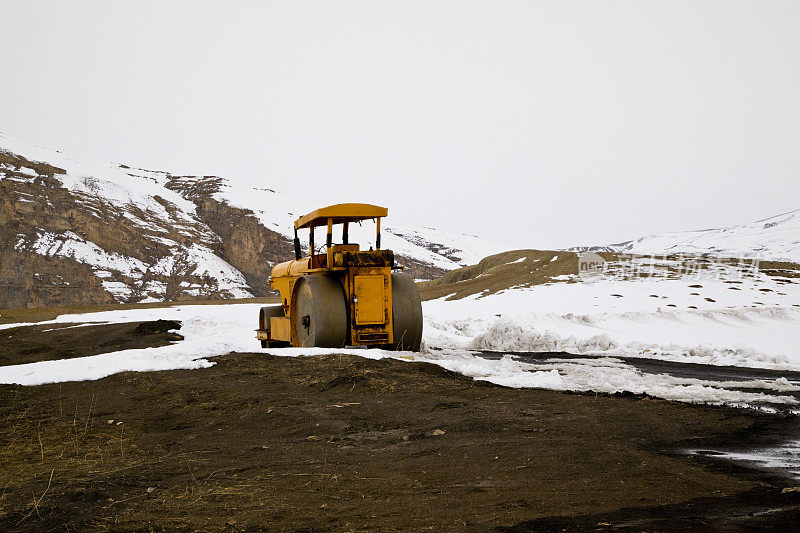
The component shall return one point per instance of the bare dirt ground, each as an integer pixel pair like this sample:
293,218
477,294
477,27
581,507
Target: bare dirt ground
62,341
345,443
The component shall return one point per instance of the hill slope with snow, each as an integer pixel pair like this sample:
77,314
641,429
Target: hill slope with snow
79,232
776,238
561,330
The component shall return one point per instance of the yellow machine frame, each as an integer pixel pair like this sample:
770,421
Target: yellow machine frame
365,278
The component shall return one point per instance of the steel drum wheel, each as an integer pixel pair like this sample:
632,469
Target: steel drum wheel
319,312
406,313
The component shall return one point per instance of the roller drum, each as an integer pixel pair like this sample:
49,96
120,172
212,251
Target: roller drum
406,313
318,312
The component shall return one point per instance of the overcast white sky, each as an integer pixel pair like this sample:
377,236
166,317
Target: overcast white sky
538,124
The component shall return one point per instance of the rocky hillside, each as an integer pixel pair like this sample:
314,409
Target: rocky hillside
74,232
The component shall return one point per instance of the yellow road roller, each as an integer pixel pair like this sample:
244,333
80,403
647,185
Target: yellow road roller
340,295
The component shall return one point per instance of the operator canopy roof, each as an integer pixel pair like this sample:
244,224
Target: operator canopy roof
340,213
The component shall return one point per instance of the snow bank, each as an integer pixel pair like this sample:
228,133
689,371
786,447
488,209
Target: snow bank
756,324
607,375
685,320
783,458
212,330
208,331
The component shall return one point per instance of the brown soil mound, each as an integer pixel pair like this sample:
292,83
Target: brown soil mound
63,341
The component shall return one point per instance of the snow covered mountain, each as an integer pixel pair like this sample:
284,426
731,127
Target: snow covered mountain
78,232
776,238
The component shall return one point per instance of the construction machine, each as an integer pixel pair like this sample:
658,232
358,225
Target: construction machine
340,295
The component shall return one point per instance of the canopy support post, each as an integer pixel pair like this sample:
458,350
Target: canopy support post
298,252
311,244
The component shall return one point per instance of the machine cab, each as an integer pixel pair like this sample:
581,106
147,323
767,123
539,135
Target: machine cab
335,255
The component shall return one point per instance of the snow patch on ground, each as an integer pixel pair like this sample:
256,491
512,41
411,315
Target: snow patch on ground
607,375
783,458
212,330
207,330
754,324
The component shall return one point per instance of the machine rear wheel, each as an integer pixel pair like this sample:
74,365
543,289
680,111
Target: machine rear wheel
264,314
406,313
319,312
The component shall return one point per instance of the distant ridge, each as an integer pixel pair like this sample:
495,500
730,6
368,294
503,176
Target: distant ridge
774,238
